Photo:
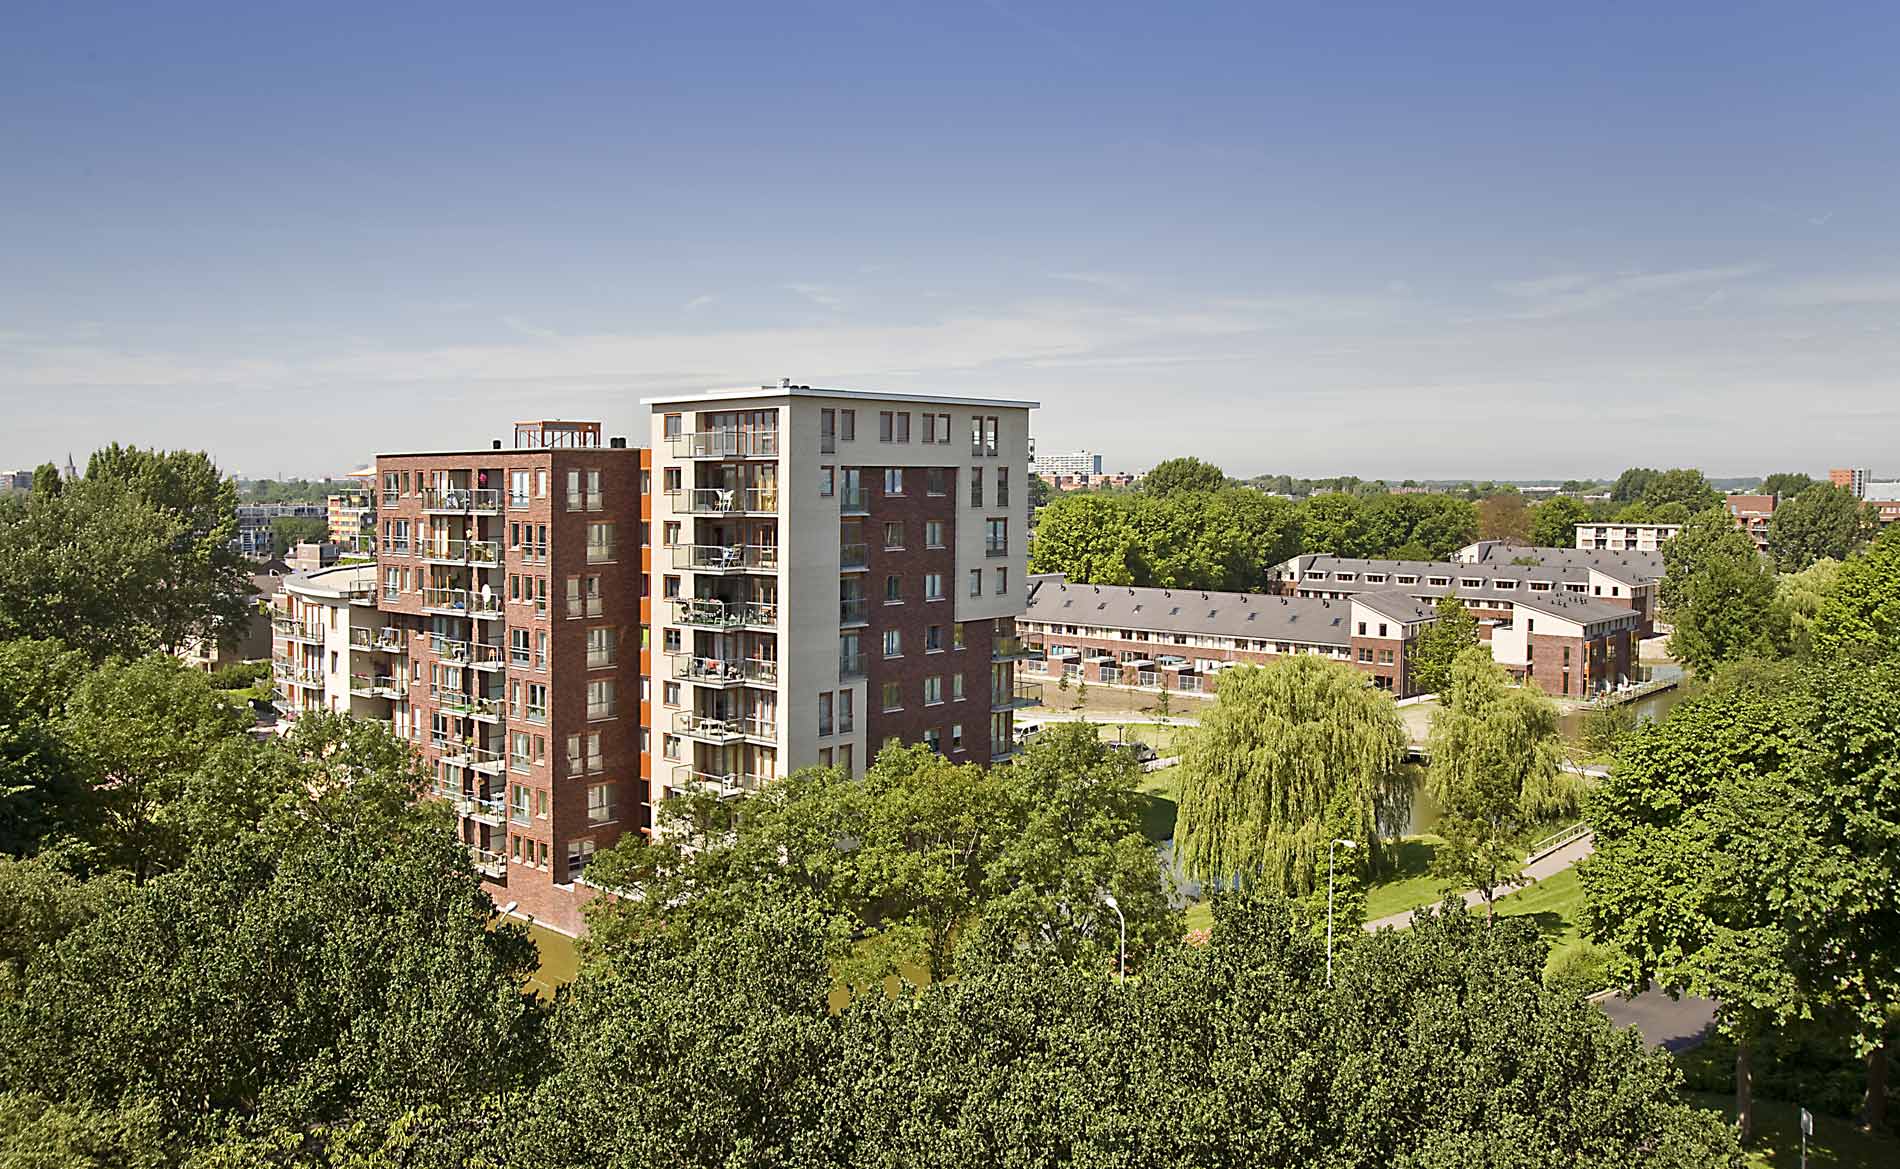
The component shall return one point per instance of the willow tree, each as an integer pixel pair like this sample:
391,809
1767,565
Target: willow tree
1290,756
1495,770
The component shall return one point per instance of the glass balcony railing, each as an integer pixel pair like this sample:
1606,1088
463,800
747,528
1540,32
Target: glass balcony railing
853,555
471,705
729,501
724,671
725,444
708,727
706,613
851,611
1008,649
726,557
461,551
458,602
492,865
851,665
294,630
462,499
479,654
722,784
853,499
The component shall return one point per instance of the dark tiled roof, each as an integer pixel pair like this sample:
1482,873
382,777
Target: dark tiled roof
1259,616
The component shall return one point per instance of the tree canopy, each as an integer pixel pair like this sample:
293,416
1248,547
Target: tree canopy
1786,484
1289,756
1862,610
1429,658
1717,593
1554,522
1184,474
1824,522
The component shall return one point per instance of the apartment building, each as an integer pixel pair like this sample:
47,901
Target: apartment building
518,577
1626,537
1565,643
352,515
253,537
1855,479
837,569
1489,577
1073,463
331,649
1752,515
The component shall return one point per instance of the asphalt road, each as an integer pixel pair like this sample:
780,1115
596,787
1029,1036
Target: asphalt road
1672,1024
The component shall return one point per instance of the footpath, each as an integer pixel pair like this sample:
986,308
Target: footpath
1538,868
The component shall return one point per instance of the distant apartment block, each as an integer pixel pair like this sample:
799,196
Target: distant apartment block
352,515
255,519
1855,479
1064,481
1752,515
1625,537
836,570
1073,463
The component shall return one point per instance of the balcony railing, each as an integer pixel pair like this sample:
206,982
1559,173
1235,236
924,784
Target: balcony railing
724,785
725,444
297,675
481,655
489,864
705,613
462,601
458,702
396,546
851,665
461,499
853,555
726,557
461,551
479,759
1008,649
377,686
700,726
852,611
853,499
297,630
387,639
994,549
723,671
728,501
1020,695
391,498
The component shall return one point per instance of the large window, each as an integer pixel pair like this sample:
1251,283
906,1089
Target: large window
600,699
893,643
976,487
996,537
583,490
600,804
600,543
893,480
600,647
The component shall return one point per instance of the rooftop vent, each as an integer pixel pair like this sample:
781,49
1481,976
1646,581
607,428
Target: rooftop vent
619,444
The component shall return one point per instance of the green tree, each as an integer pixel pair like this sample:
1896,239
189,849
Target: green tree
1632,484
1799,597
1862,611
1429,658
1333,523
42,796
1554,522
1174,476
1087,537
1824,522
1786,484
1683,485
1504,517
1289,756
1717,592
1495,771
287,531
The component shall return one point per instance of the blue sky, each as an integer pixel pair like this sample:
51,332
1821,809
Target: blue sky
1391,240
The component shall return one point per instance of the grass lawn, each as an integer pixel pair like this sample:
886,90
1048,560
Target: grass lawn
1555,903
1836,1143
1157,816
1410,887
1108,703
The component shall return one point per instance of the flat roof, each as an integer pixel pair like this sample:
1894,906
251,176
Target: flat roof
821,392
508,450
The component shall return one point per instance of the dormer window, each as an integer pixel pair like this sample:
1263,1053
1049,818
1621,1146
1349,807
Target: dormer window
1438,582
1375,578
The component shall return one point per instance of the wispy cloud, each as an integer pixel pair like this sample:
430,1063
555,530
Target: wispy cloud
1569,293
1107,281
1821,293
700,301
823,295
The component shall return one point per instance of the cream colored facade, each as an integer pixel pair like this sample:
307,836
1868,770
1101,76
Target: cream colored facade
751,491
330,652
1625,537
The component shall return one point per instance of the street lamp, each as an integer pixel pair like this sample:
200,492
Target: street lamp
1329,905
1121,957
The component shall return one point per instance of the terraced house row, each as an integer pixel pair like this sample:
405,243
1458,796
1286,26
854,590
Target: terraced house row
570,630
1564,620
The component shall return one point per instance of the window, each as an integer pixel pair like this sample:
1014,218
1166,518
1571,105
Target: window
670,693
600,647
669,587
827,431
579,852
846,704
976,436
520,811
956,687
933,586
670,746
893,643
976,487
1385,657
976,582
670,425
541,483
824,713
540,649
995,537
1002,487
886,425
646,483
537,710
990,444
1362,629
933,739
600,805
827,479
957,635
894,535
517,489
933,533
583,753
893,696
670,533
583,490
583,596
824,756
893,590
600,699
600,543
933,639
1382,632
903,426
936,481
956,736
893,480
517,647
1365,654
848,425
1002,581
670,641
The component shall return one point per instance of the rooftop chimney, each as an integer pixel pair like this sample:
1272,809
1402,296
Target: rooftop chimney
497,444
618,442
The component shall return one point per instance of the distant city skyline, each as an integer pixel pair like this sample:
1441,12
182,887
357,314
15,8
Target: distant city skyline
1412,242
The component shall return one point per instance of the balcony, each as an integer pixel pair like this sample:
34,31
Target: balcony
480,655
728,501
708,729
480,552
461,603
292,674
725,444
492,865
725,786
725,671
377,686
853,557
851,611
291,629
854,501
489,810
1008,649
470,705
726,557
1021,695
477,759
462,500
384,640
364,593
850,666
706,613
396,546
